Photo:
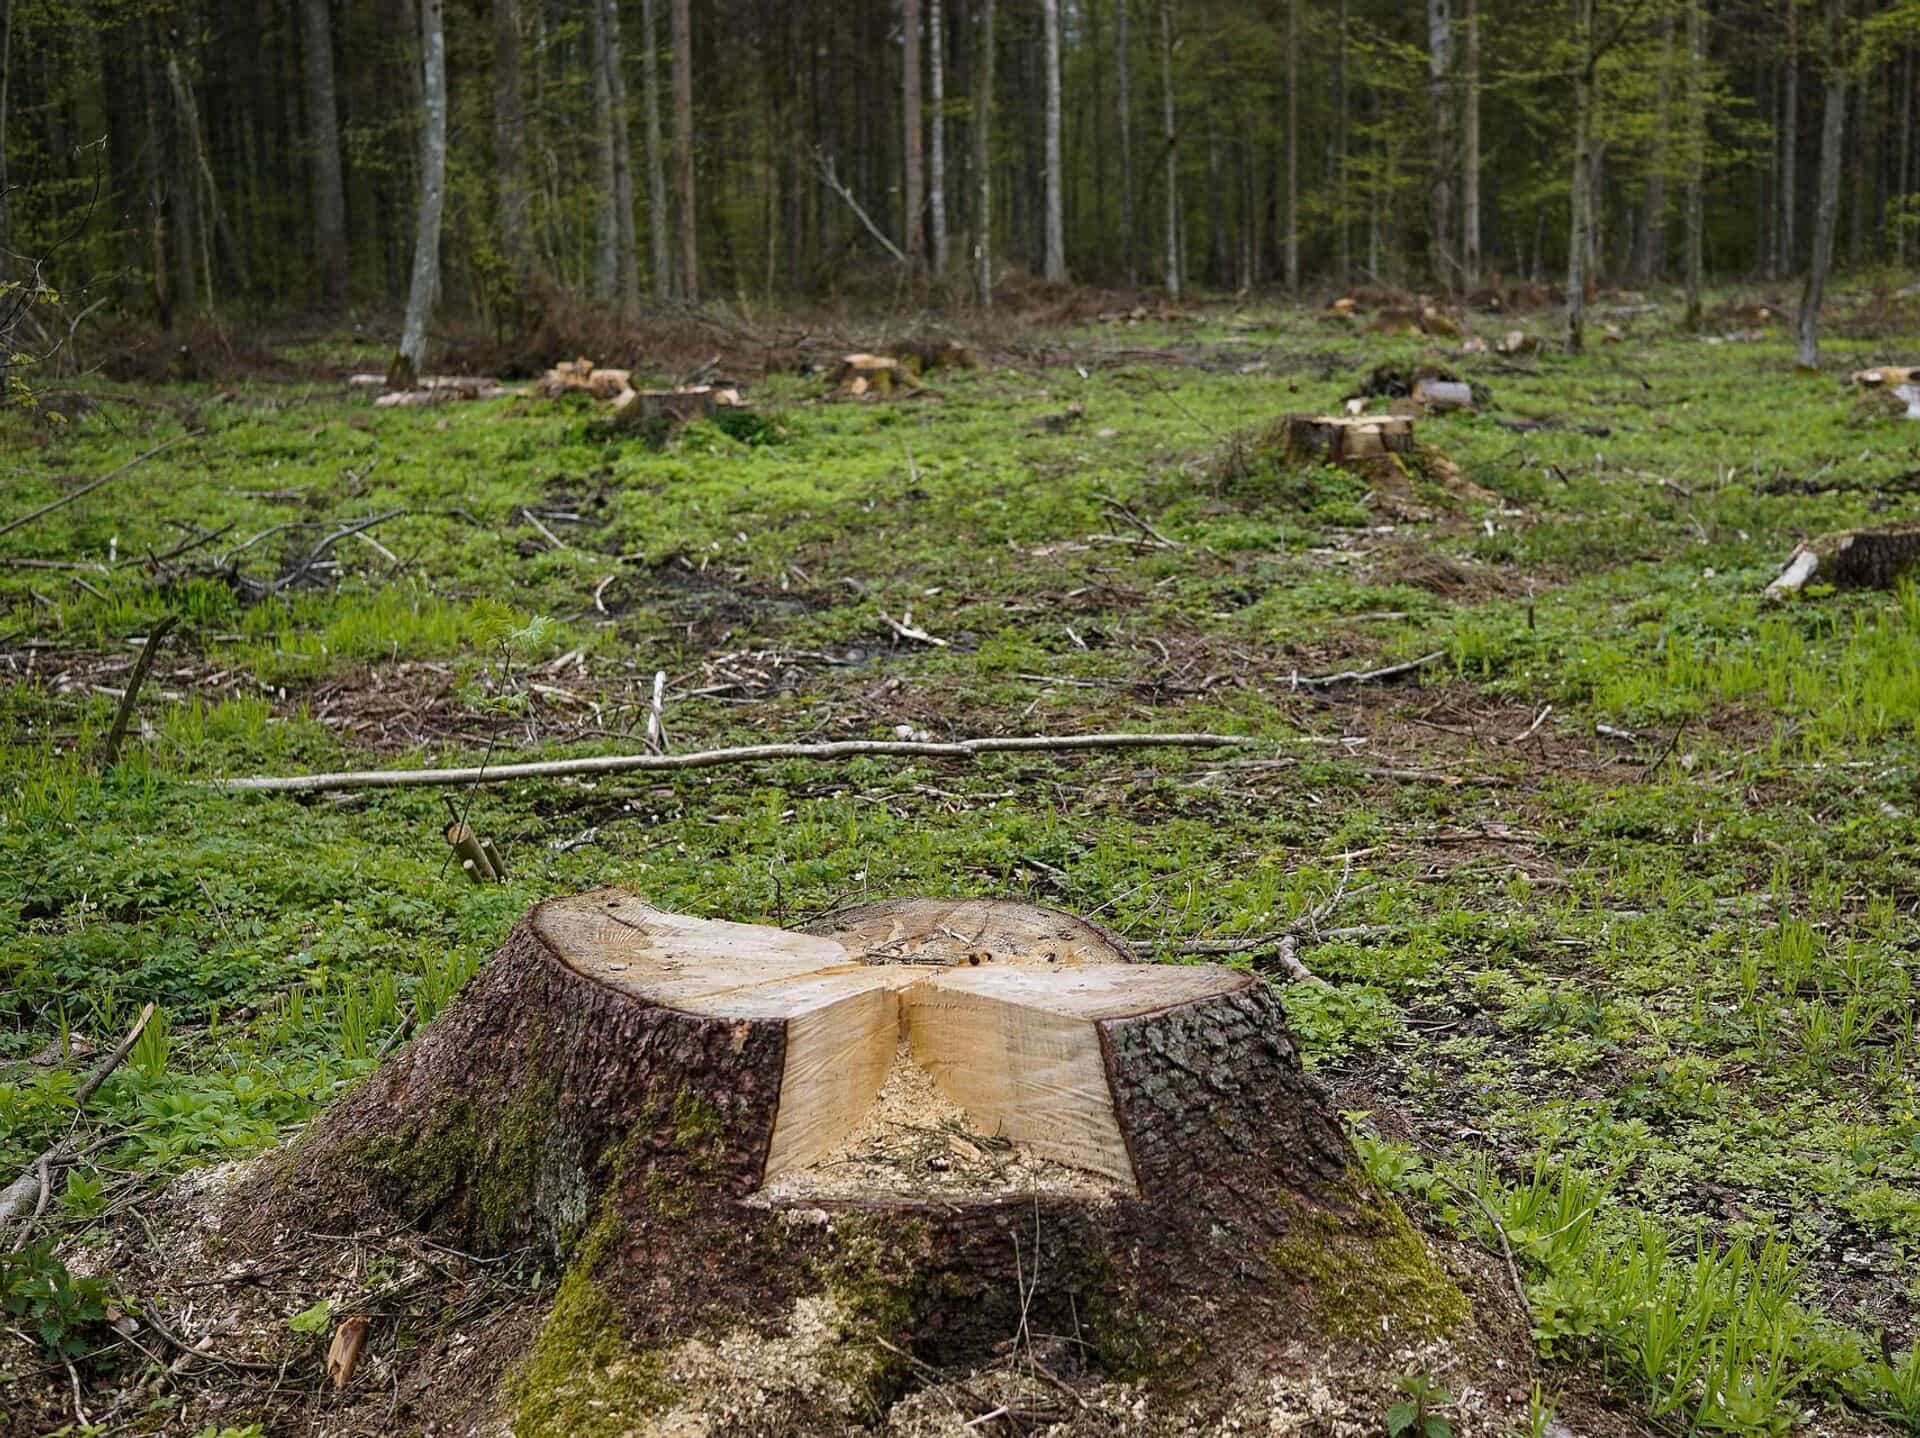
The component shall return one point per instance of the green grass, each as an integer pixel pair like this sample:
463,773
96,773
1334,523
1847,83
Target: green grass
1648,999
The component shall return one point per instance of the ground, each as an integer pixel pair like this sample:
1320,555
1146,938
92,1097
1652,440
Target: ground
1614,900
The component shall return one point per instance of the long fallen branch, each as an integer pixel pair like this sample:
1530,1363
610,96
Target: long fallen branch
88,488
713,758
1365,676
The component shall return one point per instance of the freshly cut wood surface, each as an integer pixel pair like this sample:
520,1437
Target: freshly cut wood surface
999,1003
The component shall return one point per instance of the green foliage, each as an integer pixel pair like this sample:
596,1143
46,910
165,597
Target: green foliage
1415,1415
63,1311
316,1319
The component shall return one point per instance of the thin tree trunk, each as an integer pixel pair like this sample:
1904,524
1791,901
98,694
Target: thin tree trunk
1056,257
1293,144
1470,147
1696,156
627,245
937,139
1582,188
6,223
1342,143
983,161
1440,142
1903,162
911,119
1653,227
1172,150
656,157
509,146
1832,133
606,205
323,131
1790,143
433,175
1124,115
683,151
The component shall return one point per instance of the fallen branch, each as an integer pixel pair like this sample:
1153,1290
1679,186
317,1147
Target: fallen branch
712,758
110,751
823,166
319,550
907,629
19,1196
86,489
1366,676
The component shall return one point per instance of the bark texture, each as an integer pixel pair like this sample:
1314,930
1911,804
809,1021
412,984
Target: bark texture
911,133
656,156
425,284
323,126
683,151
1832,127
509,146
1056,253
626,1141
983,161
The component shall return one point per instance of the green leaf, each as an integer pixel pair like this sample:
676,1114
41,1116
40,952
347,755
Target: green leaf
1401,1417
316,1319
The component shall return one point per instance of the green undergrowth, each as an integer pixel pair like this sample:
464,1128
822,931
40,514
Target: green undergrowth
1675,953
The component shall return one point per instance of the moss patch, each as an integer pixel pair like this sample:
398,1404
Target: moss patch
583,1377
1368,1275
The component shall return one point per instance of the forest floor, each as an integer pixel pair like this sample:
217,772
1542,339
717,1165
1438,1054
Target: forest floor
1615,901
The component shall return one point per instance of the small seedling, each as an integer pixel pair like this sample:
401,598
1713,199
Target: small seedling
1414,1416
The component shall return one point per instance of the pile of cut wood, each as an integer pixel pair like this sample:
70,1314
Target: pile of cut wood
632,407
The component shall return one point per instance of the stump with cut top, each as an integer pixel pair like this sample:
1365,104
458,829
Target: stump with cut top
891,1146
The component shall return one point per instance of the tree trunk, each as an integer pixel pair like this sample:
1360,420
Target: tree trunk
861,1130
1790,142
683,152
1342,140
323,131
1832,128
606,203
1056,246
911,120
1443,261
1293,145
1653,225
509,144
425,284
1903,164
1578,241
626,238
656,157
1696,157
1123,104
1470,152
937,137
1172,154
983,161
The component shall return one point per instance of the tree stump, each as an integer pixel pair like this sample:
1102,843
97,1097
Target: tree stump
861,376
641,407
1346,439
790,1175
1852,559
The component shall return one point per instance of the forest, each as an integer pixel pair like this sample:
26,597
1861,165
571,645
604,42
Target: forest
959,718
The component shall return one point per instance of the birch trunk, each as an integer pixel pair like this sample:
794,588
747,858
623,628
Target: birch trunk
1832,133
911,119
433,176
1440,142
683,151
983,161
323,130
1172,151
1056,259
662,260
937,137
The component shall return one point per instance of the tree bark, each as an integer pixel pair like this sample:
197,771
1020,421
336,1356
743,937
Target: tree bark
1056,247
1790,142
606,202
6,213
1653,225
657,239
1470,152
1293,145
937,136
1696,157
509,145
1582,187
1123,116
983,161
683,152
626,239
1342,140
911,121
1443,262
323,129
1832,133
425,284
1172,154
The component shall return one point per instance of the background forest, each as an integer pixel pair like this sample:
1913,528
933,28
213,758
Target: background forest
228,156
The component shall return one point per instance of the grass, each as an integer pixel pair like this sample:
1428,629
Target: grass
1648,999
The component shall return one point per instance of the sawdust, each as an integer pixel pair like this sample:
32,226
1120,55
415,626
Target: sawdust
916,1141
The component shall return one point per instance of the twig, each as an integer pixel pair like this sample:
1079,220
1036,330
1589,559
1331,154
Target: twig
110,752
1366,676
1534,727
1287,957
907,629
86,489
711,758
153,1321
657,714
823,166
547,534
1666,753
319,550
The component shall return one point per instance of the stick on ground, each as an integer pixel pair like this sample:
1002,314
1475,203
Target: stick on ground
86,489
116,736
712,758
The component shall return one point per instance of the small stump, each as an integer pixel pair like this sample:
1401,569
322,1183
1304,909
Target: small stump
1346,440
789,1176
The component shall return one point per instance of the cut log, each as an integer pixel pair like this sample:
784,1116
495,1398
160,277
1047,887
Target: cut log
1346,439
582,376
1441,394
919,1129
1884,375
675,406
1852,559
863,376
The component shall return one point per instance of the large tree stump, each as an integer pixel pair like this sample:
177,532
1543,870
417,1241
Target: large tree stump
1346,439
1852,559
898,1144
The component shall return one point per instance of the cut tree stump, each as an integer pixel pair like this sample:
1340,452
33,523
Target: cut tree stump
882,1152
675,406
865,376
1852,559
1346,439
